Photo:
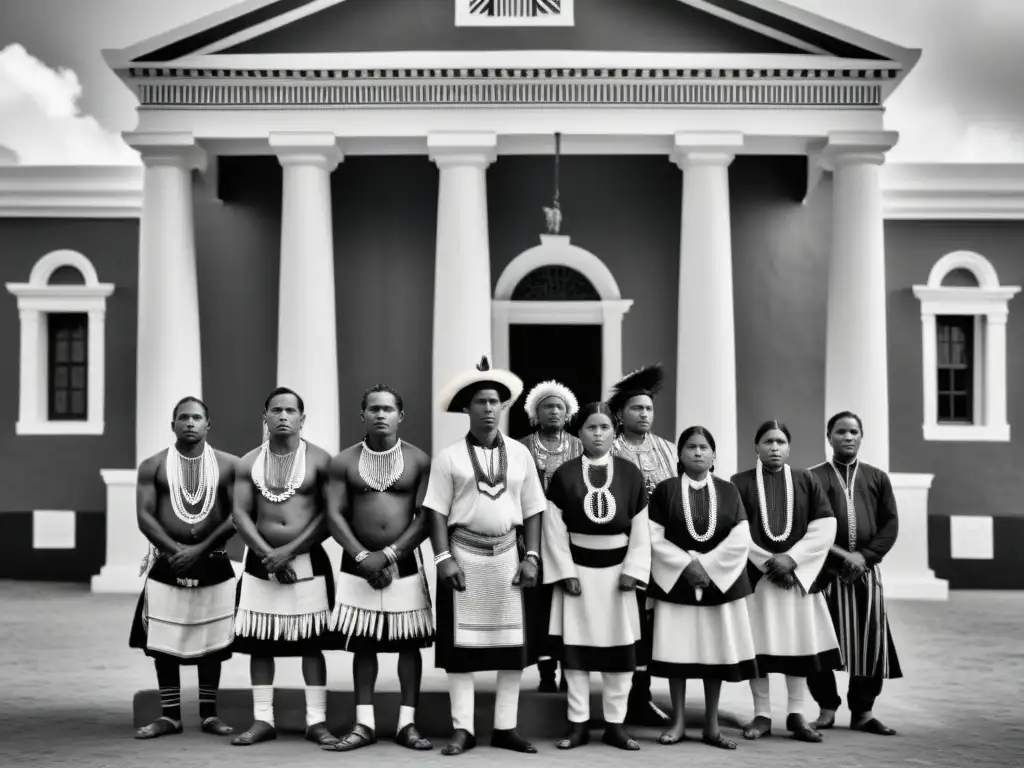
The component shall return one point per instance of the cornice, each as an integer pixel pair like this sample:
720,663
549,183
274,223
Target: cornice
953,191
71,192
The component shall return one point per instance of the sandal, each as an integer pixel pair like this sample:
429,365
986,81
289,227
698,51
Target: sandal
360,736
462,741
258,731
318,734
217,727
410,738
162,726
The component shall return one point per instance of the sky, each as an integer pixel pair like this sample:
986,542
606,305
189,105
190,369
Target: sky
60,104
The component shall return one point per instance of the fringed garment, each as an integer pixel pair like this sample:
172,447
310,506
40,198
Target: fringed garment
390,620
792,629
599,629
702,633
275,619
484,627
186,617
858,609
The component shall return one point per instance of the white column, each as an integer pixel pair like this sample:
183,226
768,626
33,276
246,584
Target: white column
856,343
169,363
706,355
462,270
929,362
905,571
307,343
995,370
126,546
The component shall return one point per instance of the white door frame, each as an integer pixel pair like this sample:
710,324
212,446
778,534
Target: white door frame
608,312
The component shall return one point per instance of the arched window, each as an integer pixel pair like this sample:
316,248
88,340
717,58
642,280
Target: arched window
963,322
555,282
63,309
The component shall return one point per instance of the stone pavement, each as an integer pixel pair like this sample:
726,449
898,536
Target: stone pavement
68,681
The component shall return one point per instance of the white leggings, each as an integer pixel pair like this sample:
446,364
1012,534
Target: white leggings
796,687
462,692
614,695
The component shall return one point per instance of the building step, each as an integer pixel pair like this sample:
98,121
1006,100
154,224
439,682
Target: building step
541,715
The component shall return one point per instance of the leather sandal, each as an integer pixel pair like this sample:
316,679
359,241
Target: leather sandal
410,738
258,732
360,736
217,727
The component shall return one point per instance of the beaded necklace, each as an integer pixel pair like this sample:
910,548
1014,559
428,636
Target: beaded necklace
599,503
685,485
381,469
762,502
202,474
851,507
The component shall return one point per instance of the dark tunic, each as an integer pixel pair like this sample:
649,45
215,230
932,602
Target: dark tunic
567,491
858,610
666,509
809,503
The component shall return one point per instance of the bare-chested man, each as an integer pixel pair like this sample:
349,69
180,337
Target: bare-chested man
186,609
285,595
374,495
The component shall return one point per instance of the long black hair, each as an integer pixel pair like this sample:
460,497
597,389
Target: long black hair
768,426
687,434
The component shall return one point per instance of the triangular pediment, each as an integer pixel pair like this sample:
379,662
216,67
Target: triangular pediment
274,29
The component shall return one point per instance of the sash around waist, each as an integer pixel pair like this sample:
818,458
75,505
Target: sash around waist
483,544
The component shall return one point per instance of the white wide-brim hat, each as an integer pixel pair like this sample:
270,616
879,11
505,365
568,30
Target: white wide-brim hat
459,391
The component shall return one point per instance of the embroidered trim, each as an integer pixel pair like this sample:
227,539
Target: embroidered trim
851,506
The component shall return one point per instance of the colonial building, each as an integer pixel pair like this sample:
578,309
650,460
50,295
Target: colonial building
337,193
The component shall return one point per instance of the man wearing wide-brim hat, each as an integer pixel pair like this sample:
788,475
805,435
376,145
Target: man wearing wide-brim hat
482,491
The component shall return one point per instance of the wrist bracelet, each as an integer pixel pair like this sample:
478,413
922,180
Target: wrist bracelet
390,553
438,559
362,556
533,553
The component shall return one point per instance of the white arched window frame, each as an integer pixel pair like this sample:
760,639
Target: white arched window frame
988,304
38,298
608,311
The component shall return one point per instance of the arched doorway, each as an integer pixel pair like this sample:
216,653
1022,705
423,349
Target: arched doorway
557,313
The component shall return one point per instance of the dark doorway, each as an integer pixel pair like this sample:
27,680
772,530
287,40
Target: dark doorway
570,354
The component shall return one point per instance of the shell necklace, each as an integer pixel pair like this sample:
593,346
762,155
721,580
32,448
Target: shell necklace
599,503
685,485
200,473
762,502
287,472
851,507
381,469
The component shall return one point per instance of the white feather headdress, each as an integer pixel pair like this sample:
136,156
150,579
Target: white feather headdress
548,389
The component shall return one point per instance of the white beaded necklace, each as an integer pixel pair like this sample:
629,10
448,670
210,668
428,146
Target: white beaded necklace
297,461
688,483
851,507
381,469
592,507
203,472
788,475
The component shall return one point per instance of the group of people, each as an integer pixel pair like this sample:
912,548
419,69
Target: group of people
614,552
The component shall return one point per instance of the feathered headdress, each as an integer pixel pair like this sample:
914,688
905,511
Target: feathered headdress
547,389
458,393
644,381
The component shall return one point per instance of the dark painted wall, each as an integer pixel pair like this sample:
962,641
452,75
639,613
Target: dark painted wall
384,231
238,241
974,478
780,283
63,472
429,25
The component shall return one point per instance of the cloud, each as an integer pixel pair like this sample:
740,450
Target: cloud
40,119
